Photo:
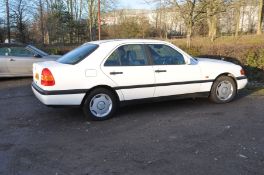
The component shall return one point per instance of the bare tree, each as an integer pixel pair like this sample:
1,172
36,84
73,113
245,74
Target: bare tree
91,19
92,11
237,6
191,11
144,26
19,13
41,21
260,16
7,20
213,9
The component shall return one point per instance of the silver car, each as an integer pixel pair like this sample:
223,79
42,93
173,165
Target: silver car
16,60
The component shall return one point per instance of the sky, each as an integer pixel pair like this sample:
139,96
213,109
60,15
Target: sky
135,4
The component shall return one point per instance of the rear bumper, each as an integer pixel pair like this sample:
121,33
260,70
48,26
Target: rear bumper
241,82
57,98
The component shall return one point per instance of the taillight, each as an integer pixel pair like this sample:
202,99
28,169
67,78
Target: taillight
242,72
47,78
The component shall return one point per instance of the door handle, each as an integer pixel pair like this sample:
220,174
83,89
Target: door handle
115,73
160,71
11,59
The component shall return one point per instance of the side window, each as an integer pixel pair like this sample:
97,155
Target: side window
20,52
4,51
165,55
128,55
113,59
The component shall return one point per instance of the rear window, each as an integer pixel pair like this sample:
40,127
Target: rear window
78,54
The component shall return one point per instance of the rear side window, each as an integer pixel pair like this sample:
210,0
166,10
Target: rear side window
78,54
127,55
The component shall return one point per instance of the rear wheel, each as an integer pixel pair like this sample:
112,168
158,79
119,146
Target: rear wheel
100,104
223,90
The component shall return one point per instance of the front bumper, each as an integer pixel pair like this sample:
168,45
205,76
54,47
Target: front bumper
54,98
241,82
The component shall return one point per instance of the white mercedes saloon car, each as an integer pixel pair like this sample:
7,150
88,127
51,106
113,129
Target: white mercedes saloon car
99,76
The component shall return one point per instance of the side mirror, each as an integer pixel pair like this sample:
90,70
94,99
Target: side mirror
37,56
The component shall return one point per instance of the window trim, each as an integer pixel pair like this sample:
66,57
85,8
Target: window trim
143,46
152,60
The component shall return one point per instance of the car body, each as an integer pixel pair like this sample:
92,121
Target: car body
100,75
16,60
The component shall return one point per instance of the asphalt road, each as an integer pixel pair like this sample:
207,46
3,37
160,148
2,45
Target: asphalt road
177,137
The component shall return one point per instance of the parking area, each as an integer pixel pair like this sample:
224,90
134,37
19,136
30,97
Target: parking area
176,137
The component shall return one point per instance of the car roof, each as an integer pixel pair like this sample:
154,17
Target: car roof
123,41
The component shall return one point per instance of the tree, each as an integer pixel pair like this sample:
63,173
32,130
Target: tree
19,16
191,11
213,9
237,6
260,16
2,30
40,8
144,26
92,17
7,20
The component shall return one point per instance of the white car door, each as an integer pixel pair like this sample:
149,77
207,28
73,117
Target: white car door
173,75
128,66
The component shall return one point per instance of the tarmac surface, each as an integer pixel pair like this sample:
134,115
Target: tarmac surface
193,137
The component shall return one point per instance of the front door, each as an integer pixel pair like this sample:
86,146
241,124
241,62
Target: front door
129,68
173,75
20,61
3,61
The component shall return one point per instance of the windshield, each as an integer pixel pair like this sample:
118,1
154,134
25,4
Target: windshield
78,54
36,50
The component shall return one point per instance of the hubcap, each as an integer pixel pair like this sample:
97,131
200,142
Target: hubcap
224,90
101,105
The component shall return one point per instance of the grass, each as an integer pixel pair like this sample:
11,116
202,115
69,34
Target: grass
259,92
224,40
253,91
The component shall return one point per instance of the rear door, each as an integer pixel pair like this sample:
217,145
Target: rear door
173,75
128,66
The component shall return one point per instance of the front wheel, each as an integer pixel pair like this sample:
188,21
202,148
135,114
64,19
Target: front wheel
100,104
223,90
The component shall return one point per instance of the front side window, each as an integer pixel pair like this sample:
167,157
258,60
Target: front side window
127,55
165,55
19,52
78,54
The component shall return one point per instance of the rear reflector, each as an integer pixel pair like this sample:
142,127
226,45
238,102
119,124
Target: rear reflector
242,72
47,78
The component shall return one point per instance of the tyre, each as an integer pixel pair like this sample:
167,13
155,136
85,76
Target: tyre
100,104
223,90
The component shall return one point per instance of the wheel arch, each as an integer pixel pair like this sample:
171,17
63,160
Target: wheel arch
225,74
101,86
